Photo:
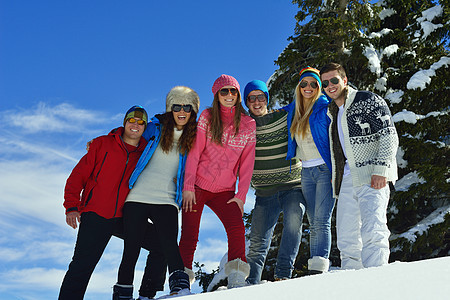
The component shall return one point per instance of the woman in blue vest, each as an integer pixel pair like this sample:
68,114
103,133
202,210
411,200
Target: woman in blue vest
156,193
309,141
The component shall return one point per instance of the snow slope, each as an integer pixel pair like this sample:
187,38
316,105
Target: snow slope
426,279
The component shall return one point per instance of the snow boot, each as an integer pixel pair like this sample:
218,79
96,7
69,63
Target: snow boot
191,275
237,271
318,265
179,283
122,292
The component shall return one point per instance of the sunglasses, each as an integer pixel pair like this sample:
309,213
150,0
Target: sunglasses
224,92
253,98
177,107
312,84
133,120
333,80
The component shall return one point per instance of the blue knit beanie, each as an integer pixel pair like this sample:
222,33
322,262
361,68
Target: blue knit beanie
255,85
310,72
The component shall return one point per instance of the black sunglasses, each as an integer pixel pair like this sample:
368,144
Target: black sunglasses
177,107
333,80
253,98
224,92
312,84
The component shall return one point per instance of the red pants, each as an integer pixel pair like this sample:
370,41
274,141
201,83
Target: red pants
229,214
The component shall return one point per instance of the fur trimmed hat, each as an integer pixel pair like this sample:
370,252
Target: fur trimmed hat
256,85
182,95
225,80
310,72
136,111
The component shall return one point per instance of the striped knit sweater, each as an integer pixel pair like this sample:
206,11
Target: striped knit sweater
272,172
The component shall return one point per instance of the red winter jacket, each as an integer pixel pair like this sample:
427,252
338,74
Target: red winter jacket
102,176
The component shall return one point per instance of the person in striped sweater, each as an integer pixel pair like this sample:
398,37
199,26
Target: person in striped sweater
276,181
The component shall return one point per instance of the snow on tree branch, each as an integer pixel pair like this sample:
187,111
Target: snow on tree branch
426,21
435,217
410,117
423,77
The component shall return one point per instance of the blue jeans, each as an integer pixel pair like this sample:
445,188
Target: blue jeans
264,219
316,187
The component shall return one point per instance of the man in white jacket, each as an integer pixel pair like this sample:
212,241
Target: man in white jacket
364,144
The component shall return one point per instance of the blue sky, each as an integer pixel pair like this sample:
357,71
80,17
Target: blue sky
68,72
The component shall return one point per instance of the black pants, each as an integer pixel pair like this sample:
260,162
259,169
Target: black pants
165,227
93,236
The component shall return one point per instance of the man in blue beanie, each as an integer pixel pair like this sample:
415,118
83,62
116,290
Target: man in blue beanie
277,187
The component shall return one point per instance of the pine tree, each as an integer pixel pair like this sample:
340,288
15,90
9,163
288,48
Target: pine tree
334,30
383,47
413,50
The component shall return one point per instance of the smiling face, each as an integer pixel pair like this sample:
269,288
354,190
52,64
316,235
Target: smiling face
133,131
308,92
335,91
181,118
257,108
229,100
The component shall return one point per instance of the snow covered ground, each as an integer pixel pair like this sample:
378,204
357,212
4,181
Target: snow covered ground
426,279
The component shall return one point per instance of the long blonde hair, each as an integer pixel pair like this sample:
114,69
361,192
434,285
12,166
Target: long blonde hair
303,110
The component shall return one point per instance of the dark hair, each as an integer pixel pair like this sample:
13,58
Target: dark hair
215,122
333,67
187,138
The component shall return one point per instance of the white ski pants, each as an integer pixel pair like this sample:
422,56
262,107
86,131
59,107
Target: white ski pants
362,232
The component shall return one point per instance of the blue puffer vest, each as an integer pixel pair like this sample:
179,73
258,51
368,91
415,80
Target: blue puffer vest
153,135
319,123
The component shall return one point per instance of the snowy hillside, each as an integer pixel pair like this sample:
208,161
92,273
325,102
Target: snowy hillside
426,279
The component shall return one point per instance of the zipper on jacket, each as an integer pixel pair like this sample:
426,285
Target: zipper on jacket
88,198
101,166
123,174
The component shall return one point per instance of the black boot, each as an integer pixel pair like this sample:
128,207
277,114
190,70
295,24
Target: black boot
122,292
179,280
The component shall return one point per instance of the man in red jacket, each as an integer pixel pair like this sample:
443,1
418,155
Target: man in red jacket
101,177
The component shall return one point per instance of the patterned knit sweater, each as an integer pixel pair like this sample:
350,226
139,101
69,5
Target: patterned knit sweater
371,140
272,172
214,167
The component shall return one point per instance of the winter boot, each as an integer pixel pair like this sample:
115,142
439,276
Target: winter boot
318,265
237,271
122,292
191,275
179,283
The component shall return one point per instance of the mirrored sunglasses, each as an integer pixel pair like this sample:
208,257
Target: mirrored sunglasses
133,120
312,84
253,98
225,92
177,107
333,80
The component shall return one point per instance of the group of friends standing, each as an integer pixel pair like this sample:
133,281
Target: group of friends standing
330,143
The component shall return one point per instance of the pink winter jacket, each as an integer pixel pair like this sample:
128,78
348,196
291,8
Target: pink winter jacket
214,167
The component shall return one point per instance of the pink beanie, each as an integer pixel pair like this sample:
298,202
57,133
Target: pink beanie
225,80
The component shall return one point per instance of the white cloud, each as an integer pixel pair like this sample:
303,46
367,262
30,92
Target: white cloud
62,117
33,188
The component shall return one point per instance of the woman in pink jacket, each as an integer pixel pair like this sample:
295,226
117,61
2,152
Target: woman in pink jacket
223,151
